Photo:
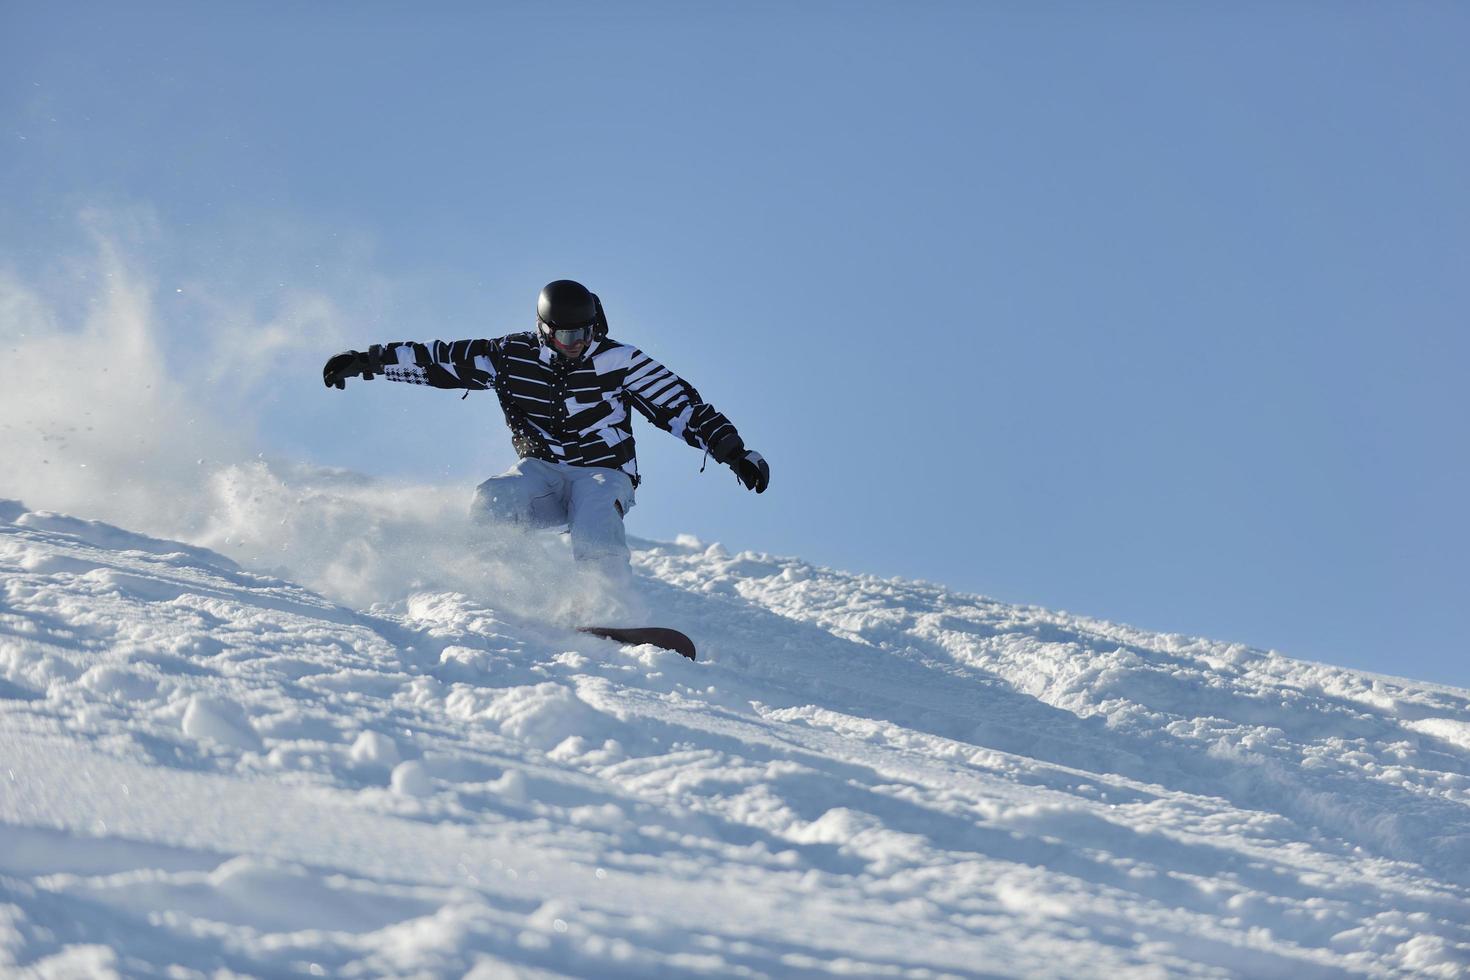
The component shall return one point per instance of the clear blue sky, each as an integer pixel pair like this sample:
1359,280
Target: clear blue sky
1152,311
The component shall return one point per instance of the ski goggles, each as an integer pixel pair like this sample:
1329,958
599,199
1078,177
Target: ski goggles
568,336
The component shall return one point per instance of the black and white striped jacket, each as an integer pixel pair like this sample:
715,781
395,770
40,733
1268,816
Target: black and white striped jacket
574,412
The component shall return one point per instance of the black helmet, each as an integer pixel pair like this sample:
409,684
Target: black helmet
567,315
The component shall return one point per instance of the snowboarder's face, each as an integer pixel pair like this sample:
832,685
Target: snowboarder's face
568,343
570,350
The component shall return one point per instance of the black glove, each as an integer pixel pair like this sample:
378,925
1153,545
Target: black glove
340,367
753,471
749,466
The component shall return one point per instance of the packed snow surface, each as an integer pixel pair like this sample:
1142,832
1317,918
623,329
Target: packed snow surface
206,770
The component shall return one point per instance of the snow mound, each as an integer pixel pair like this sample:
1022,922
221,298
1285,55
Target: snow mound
205,770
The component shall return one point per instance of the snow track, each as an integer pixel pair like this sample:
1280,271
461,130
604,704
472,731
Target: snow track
206,769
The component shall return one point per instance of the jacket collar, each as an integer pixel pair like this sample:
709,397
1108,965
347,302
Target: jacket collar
547,354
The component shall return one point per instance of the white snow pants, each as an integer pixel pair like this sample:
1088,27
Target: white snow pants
590,499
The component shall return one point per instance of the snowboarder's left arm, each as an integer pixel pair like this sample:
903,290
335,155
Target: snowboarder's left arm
672,404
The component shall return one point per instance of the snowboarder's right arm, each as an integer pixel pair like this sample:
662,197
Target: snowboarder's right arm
442,364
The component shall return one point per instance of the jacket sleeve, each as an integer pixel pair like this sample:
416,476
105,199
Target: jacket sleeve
443,364
672,404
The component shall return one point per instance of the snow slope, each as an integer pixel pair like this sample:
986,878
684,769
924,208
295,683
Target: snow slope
207,770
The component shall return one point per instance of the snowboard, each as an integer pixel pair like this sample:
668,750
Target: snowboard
659,636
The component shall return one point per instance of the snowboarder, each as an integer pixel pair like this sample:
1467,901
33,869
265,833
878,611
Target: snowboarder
567,389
